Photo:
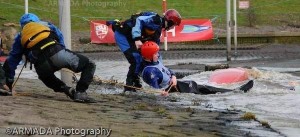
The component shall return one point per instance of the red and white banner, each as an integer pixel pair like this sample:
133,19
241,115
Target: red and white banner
189,30
101,33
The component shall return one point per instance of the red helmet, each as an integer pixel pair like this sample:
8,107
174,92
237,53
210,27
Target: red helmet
148,49
174,16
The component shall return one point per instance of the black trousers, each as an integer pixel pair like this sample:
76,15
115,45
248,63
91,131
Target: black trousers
55,59
189,86
134,59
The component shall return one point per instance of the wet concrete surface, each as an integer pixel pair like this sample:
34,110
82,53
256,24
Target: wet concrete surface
131,114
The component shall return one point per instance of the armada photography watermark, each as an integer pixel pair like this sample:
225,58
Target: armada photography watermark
21,131
90,3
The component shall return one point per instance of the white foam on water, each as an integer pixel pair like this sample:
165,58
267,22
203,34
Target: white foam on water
279,69
270,100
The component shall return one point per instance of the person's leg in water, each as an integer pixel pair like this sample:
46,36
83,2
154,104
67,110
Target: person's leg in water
189,86
137,81
134,59
185,87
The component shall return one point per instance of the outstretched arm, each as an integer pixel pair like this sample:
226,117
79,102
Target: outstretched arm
173,81
14,57
140,22
11,63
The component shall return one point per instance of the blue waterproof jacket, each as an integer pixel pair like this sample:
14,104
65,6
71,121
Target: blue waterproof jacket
136,28
146,22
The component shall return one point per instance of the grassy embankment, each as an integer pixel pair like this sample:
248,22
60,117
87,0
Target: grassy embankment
265,11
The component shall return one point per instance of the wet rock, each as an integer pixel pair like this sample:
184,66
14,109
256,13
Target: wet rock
7,35
215,67
10,25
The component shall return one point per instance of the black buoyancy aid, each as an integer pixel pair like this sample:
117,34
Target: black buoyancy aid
126,26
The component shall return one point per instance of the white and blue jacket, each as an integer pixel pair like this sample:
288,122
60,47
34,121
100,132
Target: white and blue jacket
156,75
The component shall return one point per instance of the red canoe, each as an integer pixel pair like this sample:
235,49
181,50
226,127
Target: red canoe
228,76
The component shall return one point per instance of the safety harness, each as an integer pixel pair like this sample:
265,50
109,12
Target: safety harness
36,37
126,26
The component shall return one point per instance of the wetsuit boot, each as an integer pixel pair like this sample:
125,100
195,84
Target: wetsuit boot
129,85
77,96
137,82
69,92
82,97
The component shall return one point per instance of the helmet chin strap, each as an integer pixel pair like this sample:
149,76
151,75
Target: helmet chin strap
149,60
166,25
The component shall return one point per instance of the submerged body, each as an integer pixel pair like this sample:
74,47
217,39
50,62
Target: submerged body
156,75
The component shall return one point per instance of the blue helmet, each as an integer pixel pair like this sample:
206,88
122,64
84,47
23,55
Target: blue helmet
29,17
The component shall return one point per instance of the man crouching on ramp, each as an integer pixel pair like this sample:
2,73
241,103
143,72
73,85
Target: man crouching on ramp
43,45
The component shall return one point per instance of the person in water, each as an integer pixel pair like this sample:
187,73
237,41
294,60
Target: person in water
156,75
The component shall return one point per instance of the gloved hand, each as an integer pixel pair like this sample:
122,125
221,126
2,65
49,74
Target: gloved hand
9,83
